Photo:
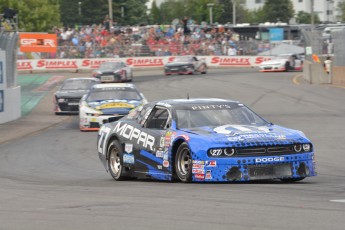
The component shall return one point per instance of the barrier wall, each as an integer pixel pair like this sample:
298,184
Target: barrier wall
338,73
314,73
135,62
9,97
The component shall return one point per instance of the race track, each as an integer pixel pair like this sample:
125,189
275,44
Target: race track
54,180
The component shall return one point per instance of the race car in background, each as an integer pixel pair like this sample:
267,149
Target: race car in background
203,140
113,71
66,99
186,65
106,103
283,63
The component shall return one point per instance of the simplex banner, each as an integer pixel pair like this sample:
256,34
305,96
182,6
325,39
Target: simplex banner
135,62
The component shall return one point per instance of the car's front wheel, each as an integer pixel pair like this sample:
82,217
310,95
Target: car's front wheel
183,163
115,163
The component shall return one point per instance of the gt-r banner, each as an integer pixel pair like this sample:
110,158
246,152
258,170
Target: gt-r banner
135,62
37,42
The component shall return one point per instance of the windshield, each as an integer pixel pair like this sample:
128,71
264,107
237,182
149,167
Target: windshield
110,66
183,59
235,116
114,94
79,84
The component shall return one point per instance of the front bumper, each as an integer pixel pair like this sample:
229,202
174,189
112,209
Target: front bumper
93,123
66,108
272,68
292,166
110,78
178,70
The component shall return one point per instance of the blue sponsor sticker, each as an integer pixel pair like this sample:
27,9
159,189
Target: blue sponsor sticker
128,158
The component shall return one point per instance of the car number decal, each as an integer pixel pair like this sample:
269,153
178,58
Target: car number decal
104,132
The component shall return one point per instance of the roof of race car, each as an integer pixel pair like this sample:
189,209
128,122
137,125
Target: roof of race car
82,78
113,85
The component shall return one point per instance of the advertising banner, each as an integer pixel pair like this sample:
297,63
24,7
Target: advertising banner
135,62
276,34
36,42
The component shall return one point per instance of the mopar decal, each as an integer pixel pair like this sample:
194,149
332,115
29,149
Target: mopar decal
131,133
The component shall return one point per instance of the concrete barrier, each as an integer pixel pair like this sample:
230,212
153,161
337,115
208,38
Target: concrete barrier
314,73
338,75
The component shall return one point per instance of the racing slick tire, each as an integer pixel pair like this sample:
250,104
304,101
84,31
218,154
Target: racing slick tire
287,66
115,162
183,163
291,180
204,70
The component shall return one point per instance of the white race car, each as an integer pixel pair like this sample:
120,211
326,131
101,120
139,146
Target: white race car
106,103
283,62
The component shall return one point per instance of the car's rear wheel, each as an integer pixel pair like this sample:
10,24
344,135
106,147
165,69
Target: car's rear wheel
204,69
287,66
291,180
115,163
183,163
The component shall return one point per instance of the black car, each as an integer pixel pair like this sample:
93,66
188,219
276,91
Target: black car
67,98
186,65
113,71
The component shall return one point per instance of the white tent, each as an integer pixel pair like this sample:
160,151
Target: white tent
283,49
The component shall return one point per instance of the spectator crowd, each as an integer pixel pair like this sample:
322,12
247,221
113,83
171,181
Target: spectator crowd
156,40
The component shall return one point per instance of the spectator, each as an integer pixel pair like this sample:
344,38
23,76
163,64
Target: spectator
327,64
232,51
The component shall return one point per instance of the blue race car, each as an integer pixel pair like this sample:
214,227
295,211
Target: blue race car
204,140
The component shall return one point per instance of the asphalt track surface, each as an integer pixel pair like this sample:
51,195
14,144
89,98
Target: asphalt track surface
53,179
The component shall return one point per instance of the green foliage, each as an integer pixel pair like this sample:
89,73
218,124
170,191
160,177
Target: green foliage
195,9
341,8
256,16
155,14
94,12
135,12
305,18
91,12
34,15
242,14
281,10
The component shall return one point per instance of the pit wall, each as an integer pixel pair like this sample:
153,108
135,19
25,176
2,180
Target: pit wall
338,75
9,96
135,62
314,73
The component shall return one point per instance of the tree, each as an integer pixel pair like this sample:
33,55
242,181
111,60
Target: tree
281,10
341,8
305,18
256,16
34,15
227,11
94,12
197,10
91,12
135,12
155,13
